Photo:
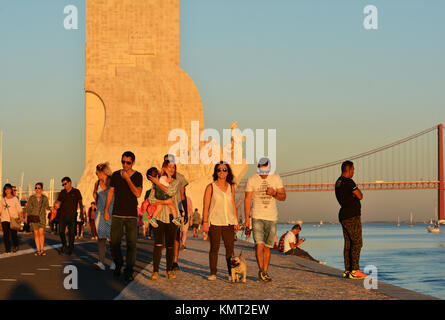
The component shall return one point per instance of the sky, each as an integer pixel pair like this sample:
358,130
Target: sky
307,68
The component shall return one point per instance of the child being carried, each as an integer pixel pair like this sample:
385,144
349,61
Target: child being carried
165,180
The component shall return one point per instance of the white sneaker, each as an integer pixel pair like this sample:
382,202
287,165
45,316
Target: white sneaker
112,266
99,266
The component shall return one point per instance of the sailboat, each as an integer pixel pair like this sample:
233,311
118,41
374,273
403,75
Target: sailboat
433,229
411,220
398,221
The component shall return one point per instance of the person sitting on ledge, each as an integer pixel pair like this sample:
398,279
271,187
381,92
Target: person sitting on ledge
290,243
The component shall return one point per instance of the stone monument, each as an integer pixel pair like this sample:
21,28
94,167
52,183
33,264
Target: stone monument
136,91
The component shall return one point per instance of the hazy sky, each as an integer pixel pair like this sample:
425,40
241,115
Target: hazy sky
305,68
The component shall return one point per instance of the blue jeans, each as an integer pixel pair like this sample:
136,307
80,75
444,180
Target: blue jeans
117,232
264,232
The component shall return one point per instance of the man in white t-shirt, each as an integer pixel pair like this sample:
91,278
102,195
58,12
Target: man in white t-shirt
292,244
262,191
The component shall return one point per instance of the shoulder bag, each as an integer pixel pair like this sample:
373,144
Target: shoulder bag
14,222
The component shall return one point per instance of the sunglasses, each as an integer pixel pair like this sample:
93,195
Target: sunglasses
64,184
224,170
126,162
37,188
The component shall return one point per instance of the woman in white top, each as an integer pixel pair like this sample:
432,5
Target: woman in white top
10,209
219,215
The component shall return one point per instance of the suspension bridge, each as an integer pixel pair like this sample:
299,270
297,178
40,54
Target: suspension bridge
415,162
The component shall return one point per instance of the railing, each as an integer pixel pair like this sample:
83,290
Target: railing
377,185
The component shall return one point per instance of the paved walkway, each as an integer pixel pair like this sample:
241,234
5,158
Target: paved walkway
293,279
25,276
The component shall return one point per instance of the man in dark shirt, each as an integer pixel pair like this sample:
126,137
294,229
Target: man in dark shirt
348,196
68,201
126,187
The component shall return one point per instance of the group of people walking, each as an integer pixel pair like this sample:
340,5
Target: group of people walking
114,213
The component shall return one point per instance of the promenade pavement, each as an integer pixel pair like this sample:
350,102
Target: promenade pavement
24,276
293,279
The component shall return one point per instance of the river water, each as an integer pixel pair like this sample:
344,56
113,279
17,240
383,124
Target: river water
407,257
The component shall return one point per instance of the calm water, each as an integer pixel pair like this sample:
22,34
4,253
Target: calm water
406,257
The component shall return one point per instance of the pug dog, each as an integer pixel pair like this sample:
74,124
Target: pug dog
238,265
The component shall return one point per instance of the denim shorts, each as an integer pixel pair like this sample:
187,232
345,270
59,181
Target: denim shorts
264,232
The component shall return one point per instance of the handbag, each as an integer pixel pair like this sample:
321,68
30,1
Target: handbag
34,218
14,222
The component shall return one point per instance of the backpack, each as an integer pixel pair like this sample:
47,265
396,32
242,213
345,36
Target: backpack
281,243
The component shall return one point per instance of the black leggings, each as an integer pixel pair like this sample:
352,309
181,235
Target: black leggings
164,234
54,225
7,233
79,227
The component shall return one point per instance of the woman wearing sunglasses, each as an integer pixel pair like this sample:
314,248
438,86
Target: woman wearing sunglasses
36,217
220,218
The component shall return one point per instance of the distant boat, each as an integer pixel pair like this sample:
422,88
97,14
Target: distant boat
433,229
300,222
398,221
441,221
411,220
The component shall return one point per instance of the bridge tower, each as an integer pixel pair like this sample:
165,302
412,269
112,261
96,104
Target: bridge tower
440,195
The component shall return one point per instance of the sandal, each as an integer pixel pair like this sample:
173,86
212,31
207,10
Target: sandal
37,253
42,253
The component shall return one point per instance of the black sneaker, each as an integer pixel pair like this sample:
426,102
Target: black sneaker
175,267
14,249
129,278
117,272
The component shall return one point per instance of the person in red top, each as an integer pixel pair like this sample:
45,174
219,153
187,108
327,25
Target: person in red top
91,214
